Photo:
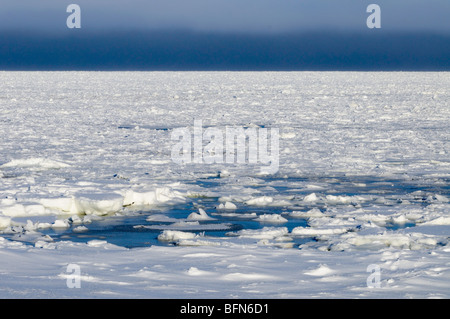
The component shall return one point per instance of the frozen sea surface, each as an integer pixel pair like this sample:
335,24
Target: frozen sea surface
87,178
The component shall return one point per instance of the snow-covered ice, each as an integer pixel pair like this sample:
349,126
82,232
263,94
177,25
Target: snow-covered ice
363,179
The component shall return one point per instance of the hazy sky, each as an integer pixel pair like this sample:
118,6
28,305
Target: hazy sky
262,16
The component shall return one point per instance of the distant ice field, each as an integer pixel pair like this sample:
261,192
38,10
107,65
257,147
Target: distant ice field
86,160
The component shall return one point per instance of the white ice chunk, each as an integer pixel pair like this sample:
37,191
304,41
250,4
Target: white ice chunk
443,220
311,198
338,199
311,231
264,233
97,204
322,270
60,224
315,212
200,216
161,218
260,201
154,197
5,222
65,204
35,163
174,235
271,218
227,205
97,243
197,242
411,241
80,229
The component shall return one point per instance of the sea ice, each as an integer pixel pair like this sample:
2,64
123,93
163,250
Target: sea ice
201,215
363,160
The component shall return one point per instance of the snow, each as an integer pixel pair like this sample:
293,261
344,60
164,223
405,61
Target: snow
260,201
80,229
174,235
186,225
438,221
5,222
201,215
264,233
311,198
363,168
97,204
228,206
321,271
60,224
271,218
310,231
315,212
151,198
35,163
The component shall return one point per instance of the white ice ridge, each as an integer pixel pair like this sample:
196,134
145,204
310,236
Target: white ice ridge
227,206
264,233
35,163
5,222
175,235
271,219
334,199
402,241
315,212
94,203
201,215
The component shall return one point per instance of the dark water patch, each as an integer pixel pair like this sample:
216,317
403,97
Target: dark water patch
140,231
147,127
416,190
397,226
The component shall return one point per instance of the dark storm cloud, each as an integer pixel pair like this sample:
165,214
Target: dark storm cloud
225,34
200,51
226,15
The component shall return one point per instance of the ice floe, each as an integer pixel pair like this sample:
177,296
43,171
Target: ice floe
201,215
35,163
363,169
271,219
227,206
175,235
